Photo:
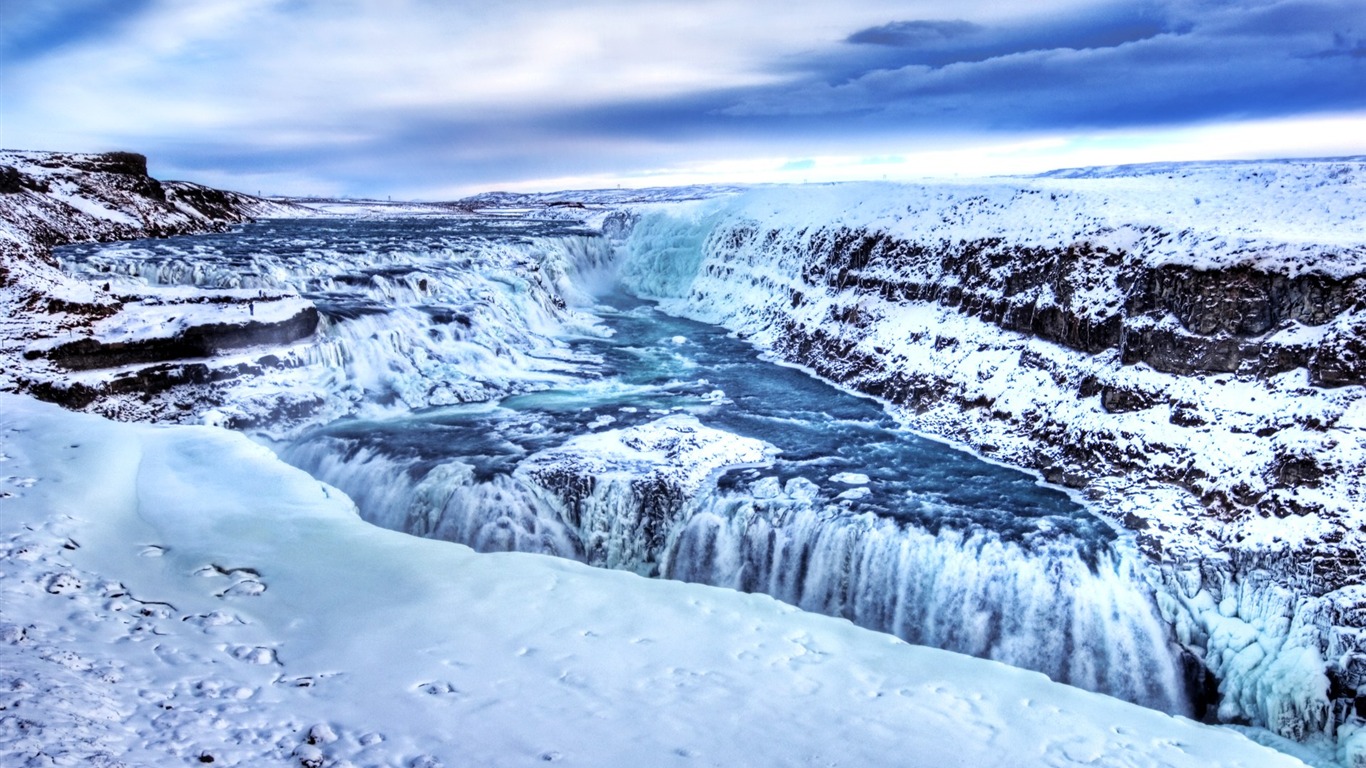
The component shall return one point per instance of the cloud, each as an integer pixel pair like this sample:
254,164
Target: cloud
912,34
371,96
36,27
1259,60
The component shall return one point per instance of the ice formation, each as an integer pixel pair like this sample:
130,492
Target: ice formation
180,596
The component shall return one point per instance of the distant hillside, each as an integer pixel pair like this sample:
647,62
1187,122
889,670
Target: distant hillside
51,198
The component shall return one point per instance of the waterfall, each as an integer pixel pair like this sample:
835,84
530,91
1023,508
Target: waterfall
1084,621
1047,604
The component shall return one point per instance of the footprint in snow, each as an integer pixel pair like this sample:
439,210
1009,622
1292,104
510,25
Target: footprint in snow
63,584
255,655
209,622
244,588
438,688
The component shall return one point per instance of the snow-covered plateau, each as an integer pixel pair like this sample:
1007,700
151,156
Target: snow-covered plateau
1183,347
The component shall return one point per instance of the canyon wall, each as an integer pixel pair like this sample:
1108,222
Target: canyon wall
1183,345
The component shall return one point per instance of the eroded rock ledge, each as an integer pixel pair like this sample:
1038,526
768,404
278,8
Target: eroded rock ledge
96,346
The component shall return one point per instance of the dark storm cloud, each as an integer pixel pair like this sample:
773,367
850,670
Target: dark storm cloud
1118,66
35,27
912,34
941,43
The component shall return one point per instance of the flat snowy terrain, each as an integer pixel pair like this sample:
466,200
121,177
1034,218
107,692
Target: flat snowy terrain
176,594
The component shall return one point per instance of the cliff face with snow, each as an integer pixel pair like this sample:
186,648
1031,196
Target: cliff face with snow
50,198
1183,344
86,343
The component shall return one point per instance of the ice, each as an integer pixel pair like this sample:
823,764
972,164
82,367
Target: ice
381,648
412,315
644,499
975,383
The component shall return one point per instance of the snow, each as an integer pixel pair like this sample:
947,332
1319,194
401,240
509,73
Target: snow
677,449
68,193
1205,216
176,593
159,313
745,262
287,587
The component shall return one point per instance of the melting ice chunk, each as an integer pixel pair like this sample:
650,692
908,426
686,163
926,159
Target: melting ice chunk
715,397
850,478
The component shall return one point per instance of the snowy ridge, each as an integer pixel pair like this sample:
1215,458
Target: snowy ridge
130,631
1135,337
48,198
603,197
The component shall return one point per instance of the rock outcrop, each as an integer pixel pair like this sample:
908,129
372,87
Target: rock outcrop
122,350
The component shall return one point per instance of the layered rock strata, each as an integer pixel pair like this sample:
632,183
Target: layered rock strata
1183,345
123,351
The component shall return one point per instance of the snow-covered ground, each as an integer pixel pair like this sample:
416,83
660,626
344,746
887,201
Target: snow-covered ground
178,592
173,595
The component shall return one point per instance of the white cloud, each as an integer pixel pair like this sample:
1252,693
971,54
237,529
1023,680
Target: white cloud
424,97
983,155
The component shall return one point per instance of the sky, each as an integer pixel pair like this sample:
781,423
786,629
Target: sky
432,99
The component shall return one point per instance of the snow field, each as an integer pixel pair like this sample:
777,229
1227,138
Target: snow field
177,593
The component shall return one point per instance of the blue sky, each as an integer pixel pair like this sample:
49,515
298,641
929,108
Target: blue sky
430,99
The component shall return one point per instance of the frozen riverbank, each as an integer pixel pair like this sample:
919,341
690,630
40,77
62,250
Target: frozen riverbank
178,594
1160,338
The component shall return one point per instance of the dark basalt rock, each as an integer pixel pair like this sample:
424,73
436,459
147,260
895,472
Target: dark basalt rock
213,203
1030,289
1175,350
1340,358
1176,319
195,342
1240,301
13,181
1117,399
127,163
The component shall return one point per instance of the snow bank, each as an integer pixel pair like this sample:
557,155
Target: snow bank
177,594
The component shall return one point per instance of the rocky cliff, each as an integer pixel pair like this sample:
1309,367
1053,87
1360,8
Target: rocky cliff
1182,344
123,350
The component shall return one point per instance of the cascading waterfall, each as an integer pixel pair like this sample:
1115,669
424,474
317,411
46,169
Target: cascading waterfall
413,313
437,313
1074,610
1043,607
445,501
